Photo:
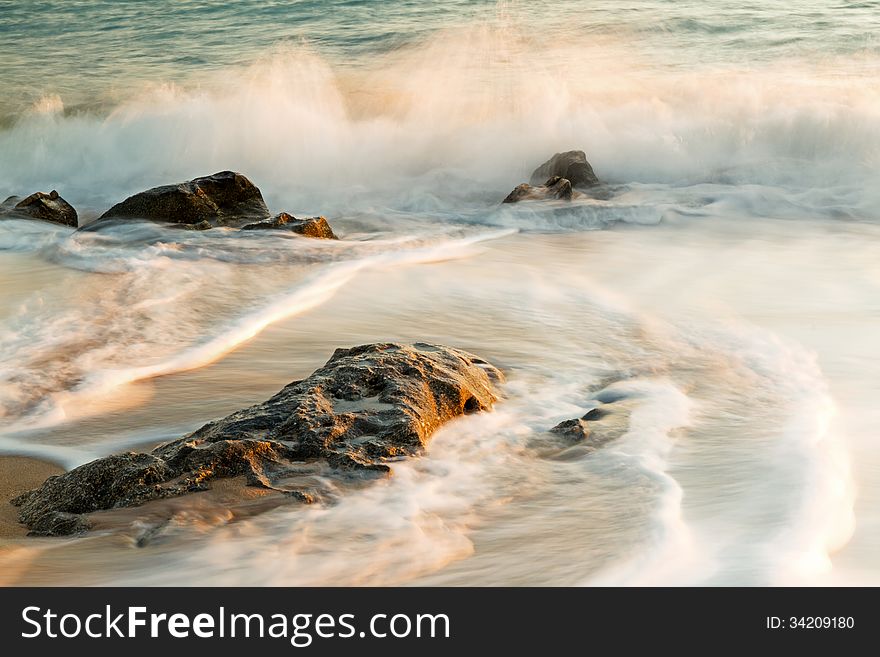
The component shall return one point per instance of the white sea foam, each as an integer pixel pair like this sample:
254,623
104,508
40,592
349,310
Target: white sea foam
670,554
163,310
467,114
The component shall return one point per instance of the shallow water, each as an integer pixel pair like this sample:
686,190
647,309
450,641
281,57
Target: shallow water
727,292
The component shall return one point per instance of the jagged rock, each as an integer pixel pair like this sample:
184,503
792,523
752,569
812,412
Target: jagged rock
367,405
225,198
40,205
571,165
309,227
554,188
582,428
576,429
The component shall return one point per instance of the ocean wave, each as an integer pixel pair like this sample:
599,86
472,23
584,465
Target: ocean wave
460,118
157,317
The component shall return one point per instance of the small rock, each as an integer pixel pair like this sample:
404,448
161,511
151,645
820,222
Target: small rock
594,414
583,428
576,429
554,188
40,205
310,227
571,165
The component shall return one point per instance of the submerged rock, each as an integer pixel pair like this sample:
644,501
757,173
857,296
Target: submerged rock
571,165
309,227
554,188
365,406
225,198
558,178
588,427
40,205
577,429
607,420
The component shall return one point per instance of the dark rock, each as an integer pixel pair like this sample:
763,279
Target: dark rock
310,227
585,427
365,406
225,198
594,414
577,429
554,188
571,165
39,205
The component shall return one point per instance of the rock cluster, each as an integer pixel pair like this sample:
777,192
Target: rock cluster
226,198
310,227
558,178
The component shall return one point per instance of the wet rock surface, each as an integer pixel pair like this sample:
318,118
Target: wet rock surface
309,227
571,165
224,198
555,188
606,422
559,178
42,206
367,405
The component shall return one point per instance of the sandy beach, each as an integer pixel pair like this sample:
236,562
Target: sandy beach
18,474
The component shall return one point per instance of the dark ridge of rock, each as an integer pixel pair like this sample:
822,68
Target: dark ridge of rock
590,427
571,165
309,227
577,429
365,406
40,205
555,188
594,414
225,198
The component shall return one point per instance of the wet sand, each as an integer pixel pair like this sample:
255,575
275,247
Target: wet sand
18,474
122,539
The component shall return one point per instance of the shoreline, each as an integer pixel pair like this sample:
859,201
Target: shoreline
17,475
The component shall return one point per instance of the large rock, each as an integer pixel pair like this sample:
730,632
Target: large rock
310,227
365,406
555,188
571,165
40,205
226,198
